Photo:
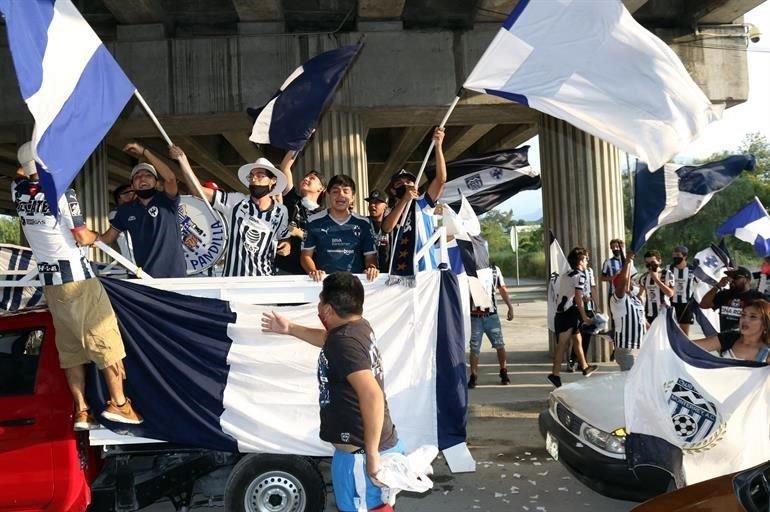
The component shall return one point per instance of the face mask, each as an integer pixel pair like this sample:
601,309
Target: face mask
309,204
146,193
259,191
678,260
400,191
652,266
617,253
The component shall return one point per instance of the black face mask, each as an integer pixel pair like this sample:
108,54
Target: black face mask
400,191
652,266
259,191
617,253
146,193
678,260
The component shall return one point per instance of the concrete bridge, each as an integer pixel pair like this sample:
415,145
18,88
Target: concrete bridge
201,63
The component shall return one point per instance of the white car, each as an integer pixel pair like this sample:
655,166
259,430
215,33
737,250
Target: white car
584,429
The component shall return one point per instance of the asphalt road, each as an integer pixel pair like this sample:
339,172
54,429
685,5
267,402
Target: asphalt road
513,470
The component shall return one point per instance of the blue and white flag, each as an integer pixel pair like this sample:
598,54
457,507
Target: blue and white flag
710,266
592,65
677,192
202,373
693,413
289,118
752,225
72,85
487,180
15,263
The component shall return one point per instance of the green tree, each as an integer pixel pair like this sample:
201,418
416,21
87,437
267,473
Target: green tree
9,230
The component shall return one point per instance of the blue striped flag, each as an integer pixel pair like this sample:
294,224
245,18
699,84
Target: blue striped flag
752,225
72,85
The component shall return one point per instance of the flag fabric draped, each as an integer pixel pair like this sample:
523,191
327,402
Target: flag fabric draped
289,118
676,192
559,267
17,258
72,85
691,412
592,65
710,266
488,180
752,225
202,372
473,253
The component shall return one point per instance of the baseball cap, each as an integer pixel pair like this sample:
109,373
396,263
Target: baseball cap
739,272
403,173
376,195
143,167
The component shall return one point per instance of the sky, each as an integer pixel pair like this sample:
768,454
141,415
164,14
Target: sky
726,134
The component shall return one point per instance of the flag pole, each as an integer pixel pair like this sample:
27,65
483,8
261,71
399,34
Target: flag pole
185,166
419,176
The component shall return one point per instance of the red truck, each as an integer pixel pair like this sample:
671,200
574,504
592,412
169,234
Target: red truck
45,466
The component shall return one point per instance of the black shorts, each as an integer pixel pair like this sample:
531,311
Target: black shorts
567,320
684,314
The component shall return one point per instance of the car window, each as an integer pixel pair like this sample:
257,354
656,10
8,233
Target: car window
19,358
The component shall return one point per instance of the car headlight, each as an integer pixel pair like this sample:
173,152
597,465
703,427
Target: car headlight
604,441
552,404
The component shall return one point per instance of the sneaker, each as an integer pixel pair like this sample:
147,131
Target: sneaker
504,377
570,367
555,380
84,420
472,382
588,370
122,414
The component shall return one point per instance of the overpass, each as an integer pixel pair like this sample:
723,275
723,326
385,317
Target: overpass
201,63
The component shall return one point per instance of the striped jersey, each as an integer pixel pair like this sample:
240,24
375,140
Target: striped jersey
568,284
611,267
587,288
683,284
497,281
254,234
630,325
59,258
655,300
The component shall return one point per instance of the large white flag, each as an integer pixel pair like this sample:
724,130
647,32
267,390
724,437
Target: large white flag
592,65
559,267
693,413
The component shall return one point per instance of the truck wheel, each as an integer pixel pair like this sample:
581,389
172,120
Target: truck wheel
275,483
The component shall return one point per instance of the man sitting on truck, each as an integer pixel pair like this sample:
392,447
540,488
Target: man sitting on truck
85,323
354,410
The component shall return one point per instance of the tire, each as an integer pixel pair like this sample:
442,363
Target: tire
275,483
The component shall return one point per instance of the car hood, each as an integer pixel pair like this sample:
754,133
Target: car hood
598,400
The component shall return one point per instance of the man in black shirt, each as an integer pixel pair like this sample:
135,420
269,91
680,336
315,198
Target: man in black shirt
378,203
731,302
354,410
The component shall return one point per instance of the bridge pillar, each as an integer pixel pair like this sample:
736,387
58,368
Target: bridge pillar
582,201
93,193
338,147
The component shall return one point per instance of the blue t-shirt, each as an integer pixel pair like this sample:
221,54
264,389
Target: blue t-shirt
155,233
339,247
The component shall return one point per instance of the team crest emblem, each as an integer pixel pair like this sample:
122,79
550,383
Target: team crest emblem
204,236
153,211
694,419
474,182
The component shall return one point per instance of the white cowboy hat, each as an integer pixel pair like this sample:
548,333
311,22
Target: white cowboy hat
263,163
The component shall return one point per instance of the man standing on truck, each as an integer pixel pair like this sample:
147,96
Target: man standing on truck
85,323
354,410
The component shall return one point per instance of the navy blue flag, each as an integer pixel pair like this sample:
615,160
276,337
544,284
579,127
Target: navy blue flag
751,224
202,373
71,83
288,119
674,192
487,180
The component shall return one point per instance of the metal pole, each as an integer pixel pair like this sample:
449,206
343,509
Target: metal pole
185,168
